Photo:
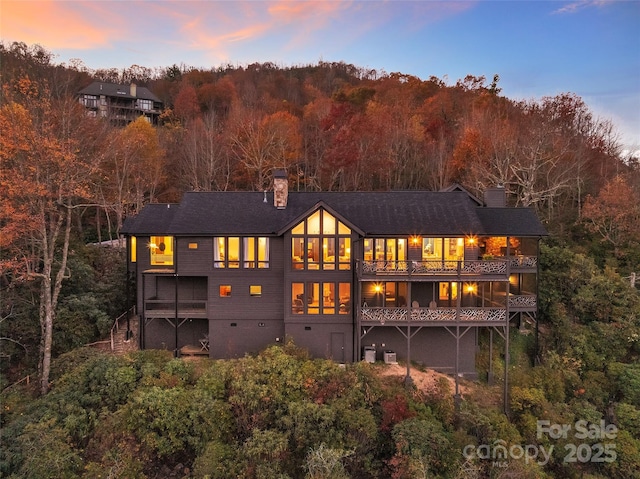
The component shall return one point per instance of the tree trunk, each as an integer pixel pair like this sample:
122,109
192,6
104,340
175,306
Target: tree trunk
47,334
51,290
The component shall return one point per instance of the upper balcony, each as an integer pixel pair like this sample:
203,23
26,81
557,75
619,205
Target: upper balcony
495,269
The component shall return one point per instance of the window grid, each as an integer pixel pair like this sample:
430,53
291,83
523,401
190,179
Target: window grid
326,297
321,242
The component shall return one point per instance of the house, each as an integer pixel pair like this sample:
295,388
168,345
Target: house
121,104
346,275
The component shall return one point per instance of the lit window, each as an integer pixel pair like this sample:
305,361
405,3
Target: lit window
320,298
344,294
448,291
255,252
228,254
161,248
385,249
133,247
225,290
263,252
193,245
249,252
234,252
454,248
431,248
328,298
255,290
321,242
219,252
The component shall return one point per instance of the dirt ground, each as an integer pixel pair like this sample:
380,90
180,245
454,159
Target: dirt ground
424,380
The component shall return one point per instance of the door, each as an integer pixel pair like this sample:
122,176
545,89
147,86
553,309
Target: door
337,347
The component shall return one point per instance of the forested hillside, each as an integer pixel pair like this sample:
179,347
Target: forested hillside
68,180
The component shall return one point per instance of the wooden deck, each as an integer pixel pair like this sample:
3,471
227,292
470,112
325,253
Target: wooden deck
191,350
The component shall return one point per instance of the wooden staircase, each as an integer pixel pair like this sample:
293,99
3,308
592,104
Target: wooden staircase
120,342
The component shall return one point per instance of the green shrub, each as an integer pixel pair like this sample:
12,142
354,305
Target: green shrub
177,421
48,453
218,460
628,419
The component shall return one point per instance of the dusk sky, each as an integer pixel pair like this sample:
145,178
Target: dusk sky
539,48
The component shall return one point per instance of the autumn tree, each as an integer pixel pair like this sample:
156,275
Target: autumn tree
261,143
203,162
134,166
185,105
45,175
614,214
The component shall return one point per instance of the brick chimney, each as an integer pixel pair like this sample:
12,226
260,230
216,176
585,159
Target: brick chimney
133,90
495,197
280,189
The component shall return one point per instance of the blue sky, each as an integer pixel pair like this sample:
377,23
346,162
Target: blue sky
539,48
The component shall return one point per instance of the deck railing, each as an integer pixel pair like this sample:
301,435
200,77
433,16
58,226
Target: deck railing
523,301
154,308
494,267
425,315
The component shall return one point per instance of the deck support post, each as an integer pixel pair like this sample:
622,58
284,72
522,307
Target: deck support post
176,351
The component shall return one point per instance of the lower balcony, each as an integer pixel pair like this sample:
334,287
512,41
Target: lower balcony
432,316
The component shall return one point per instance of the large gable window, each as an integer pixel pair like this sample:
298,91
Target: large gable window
161,248
321,242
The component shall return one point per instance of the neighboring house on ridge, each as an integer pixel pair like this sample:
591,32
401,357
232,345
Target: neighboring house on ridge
121,104
346,275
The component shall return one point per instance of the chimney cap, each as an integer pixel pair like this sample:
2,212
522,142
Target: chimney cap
279,173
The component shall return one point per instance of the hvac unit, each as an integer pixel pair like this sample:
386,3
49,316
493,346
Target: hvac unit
369,354
390,357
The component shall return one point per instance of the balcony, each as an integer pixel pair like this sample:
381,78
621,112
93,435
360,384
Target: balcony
448,270
522,263
372,316
166,308
523,302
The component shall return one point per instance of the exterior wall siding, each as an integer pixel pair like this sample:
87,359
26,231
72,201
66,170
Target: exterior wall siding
241,305
434,348
324,339
160,333
233,338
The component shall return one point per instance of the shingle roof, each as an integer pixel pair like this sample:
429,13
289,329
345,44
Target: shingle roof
152,220
121,91
511,222
373,213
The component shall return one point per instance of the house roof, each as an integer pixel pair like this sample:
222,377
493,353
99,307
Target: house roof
510,222
120,91
152,220
373,213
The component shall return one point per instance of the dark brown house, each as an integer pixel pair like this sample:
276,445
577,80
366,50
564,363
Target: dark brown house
120,104
347,275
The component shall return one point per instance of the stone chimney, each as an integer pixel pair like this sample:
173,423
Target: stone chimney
280,189
133,90
495,197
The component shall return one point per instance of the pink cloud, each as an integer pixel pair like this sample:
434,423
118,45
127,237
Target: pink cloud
55,24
